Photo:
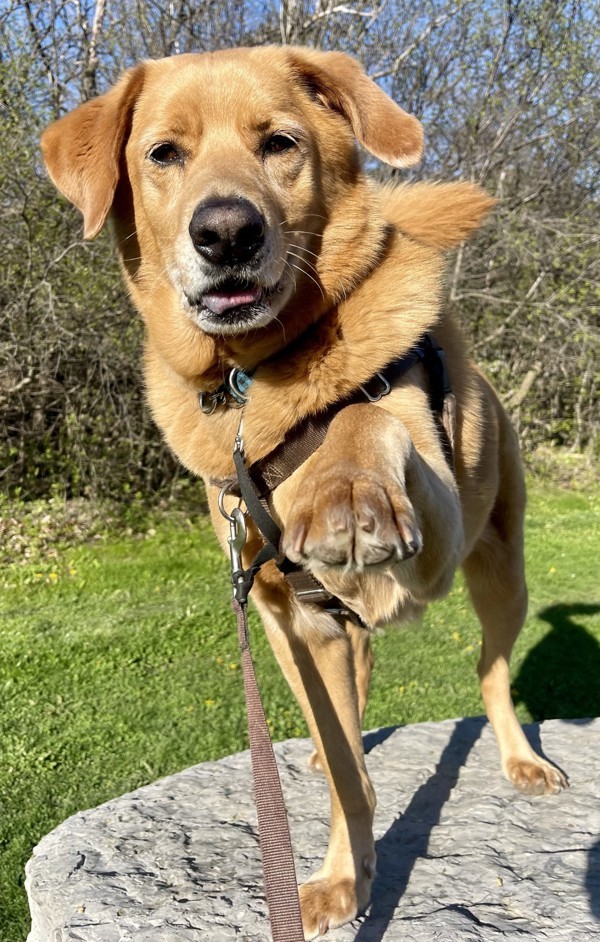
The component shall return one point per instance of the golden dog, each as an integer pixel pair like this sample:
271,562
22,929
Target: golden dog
250,237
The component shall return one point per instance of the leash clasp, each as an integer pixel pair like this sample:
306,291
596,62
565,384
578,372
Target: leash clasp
237,540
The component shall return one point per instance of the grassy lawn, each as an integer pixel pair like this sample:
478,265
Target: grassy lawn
119,664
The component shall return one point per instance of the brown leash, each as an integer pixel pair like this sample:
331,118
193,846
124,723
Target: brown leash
281,886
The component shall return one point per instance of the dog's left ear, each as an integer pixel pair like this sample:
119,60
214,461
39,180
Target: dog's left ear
82,150
381,126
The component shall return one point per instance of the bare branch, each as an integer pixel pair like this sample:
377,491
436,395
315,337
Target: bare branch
90,70
423,35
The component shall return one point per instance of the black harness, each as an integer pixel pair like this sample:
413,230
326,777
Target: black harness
254,485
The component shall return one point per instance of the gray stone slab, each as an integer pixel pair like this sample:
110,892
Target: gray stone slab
461,854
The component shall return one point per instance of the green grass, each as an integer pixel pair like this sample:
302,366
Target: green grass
119,664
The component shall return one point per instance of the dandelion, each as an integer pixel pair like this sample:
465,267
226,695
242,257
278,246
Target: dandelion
456,636
53,576
552,569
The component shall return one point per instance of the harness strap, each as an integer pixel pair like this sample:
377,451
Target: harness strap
305,586
299,444
304,439
256,508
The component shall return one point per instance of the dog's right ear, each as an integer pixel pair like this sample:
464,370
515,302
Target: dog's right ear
82,150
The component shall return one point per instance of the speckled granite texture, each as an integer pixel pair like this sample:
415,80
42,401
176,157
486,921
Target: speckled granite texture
461,855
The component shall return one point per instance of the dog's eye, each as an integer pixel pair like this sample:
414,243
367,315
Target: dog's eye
278,143
165,154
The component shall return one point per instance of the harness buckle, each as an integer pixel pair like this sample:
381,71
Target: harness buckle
318,595
380,393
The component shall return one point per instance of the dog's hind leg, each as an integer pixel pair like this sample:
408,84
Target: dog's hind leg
360,639
495,576
315,655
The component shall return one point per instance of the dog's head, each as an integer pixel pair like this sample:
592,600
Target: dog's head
228,177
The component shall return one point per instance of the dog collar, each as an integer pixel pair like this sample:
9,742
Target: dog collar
231,393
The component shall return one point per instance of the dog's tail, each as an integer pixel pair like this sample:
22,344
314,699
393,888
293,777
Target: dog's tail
441,215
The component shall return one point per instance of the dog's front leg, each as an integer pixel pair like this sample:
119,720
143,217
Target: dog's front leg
315,655
367,499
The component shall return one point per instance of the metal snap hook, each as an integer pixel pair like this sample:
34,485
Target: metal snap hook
236,539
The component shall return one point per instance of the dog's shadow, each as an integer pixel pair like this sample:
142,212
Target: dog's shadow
592,880
545,685
559,676
408,838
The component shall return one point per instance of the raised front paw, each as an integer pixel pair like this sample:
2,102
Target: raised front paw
351,519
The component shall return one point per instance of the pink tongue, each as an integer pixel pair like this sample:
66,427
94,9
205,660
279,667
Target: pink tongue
220,301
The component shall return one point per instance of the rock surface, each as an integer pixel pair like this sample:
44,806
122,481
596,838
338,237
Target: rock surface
461,855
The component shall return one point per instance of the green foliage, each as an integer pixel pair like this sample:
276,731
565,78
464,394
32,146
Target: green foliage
508,97
120,663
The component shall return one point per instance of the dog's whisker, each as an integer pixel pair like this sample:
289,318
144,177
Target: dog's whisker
308,275
153,284
131,235
301,257
293,245
322,268
306,215
293,232
306,262
139,230
277,320
291,271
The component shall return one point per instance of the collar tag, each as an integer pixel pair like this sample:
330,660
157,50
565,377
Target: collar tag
231,393
238,384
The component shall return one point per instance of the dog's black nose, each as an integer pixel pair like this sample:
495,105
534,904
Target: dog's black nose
227,231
